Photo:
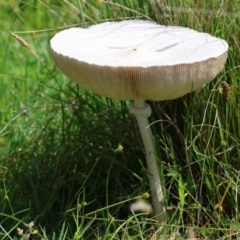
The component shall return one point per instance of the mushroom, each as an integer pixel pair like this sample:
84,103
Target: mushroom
139,60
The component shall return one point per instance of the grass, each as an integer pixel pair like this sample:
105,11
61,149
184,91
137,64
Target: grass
58,163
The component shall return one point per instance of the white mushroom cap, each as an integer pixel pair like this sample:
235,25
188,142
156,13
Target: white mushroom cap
138,59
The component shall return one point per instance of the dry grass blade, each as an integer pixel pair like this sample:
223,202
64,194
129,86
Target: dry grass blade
25,44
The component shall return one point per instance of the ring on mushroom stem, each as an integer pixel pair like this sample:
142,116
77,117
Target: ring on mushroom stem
167,62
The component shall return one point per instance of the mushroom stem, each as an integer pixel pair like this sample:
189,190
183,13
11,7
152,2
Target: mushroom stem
142,111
